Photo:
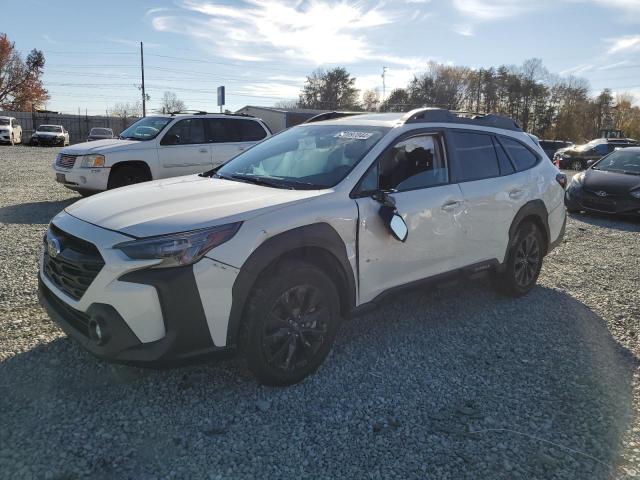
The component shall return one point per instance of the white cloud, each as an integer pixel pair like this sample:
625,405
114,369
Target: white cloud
492,9
611,66
629,43
316,32
577,70
464,30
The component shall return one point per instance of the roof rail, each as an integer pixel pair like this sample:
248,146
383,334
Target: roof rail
441,115
202,112
330,116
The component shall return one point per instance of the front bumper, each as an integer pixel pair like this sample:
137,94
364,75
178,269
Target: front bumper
5,136
577,198
50,141
76,178
152,317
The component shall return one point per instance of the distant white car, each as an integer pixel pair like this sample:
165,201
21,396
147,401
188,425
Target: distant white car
53,135
157,147
10,130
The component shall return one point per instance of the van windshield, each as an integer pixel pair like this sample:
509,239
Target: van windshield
4,121
305,157
50,128
146,128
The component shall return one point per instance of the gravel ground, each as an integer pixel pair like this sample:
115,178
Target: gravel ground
452,382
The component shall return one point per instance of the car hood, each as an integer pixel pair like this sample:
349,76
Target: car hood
610,182
182,203
104,146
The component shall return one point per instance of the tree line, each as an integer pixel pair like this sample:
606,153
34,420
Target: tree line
547,105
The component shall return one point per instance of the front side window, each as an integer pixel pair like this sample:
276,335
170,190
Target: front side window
416,162
146,128
476,157
309,156
522,157
185,132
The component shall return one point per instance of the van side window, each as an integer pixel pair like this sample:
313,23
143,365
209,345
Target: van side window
231,130
522,157
476,157
250,130
188,131
412,163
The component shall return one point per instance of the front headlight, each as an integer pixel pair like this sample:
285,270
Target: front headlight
636,194
179,249
92,161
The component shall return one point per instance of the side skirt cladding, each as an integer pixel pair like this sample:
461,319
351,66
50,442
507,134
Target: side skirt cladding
318,243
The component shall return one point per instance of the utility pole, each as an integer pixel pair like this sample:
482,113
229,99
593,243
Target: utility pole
144,97
384,85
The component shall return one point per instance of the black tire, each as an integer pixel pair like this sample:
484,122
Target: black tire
291,321
524,262
577,165
127,175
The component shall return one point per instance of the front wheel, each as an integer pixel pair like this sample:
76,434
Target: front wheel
291,322
524,262
127,175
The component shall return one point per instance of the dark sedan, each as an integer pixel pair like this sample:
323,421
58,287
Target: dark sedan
581,156
612,185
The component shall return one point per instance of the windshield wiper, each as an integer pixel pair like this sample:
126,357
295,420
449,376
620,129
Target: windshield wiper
257,180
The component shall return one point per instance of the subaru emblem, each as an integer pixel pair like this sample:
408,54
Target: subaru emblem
53,246
601,193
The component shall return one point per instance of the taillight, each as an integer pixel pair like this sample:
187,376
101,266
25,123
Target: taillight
561,178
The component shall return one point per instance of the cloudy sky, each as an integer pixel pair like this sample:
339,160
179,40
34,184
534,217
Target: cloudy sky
262,49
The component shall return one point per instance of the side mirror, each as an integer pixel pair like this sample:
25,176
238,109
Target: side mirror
394,222
171,139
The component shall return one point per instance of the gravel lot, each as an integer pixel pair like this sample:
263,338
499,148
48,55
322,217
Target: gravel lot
452,382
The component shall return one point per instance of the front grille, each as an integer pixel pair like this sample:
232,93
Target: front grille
596,202
77,319
75,267
66,161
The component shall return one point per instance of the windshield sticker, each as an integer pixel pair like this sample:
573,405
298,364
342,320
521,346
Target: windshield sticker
353,135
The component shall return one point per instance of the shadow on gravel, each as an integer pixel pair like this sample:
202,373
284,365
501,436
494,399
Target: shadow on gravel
442,383
624,224
34,212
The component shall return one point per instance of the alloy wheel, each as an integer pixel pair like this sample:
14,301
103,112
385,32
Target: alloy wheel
527,260
295,328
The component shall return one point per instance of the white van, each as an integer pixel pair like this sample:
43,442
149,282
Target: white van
157,147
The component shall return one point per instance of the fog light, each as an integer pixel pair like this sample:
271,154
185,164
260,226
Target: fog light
97,332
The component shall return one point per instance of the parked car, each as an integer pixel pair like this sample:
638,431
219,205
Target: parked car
612,185
10,130
550,147
578,157
99,133
157,147
52,135
267,253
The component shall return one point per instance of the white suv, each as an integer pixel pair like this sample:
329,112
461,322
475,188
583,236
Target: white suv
10,130
157,147
270,251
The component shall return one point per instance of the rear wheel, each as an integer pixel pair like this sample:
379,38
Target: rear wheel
524,262
127,175
576,165
292,319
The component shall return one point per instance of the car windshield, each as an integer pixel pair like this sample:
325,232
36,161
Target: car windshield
146,128
625,161
101,131
4,121
50,128
304,157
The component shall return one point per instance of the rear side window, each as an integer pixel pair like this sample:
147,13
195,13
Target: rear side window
522,157
226,130
506,167
476,156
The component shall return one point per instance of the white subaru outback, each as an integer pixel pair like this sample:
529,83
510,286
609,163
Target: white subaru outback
157,147
269,252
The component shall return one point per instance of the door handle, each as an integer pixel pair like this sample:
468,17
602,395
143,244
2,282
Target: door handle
451,205
241,149
203,150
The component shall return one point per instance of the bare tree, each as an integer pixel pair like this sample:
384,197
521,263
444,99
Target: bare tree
287,104
127,109
171,103
371,100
